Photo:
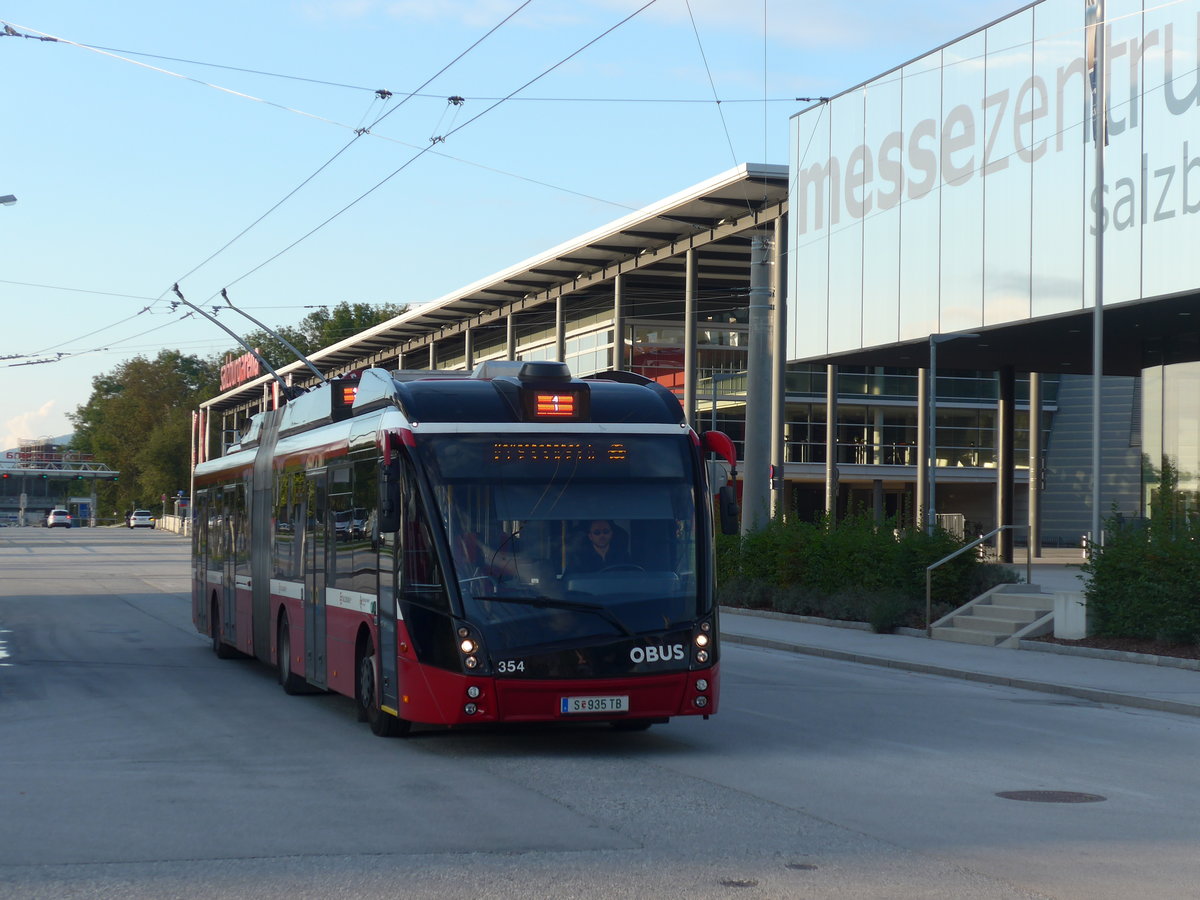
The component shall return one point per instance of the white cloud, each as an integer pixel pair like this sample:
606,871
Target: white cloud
34,424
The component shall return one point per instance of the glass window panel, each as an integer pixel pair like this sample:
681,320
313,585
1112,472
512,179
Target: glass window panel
960,159
1059,150
920,215
849,153
1123,162
808,236
1171,121
883,175
1007,179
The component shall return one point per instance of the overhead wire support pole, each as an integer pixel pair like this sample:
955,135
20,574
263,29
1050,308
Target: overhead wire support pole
1096,39
300,356
286,389
756,501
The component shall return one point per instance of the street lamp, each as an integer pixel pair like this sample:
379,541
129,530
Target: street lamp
934,340
8,200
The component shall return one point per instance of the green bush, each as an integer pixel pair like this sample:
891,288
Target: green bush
856,569
1145,582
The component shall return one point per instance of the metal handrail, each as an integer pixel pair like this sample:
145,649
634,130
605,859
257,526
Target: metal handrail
963,549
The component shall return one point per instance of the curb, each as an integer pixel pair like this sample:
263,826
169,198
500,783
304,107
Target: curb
1096,696
1146,659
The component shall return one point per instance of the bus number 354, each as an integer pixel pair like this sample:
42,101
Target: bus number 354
510,665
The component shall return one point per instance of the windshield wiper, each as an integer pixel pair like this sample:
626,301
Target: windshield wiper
544,602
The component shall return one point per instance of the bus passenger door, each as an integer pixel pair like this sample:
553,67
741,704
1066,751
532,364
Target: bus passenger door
230,526
317,534
200,561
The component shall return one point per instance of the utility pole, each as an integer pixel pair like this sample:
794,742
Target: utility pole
756,499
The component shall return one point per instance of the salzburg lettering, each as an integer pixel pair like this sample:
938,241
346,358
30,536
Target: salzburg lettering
908,165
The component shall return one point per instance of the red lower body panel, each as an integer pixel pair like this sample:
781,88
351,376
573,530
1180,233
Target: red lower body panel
435,696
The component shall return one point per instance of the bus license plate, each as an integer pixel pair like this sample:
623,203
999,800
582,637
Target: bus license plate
572,705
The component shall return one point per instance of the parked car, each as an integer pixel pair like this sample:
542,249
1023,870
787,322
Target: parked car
58,518
141,518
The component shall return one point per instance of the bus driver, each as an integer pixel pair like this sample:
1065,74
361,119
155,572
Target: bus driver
605,547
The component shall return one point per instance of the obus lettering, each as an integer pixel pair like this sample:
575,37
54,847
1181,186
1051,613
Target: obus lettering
653,654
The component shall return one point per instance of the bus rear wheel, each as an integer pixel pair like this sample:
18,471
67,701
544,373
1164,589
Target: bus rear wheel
223,650
288,680
381,723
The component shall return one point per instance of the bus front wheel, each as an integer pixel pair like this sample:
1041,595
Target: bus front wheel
381,723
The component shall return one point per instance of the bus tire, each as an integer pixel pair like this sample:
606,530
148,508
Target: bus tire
290,682
223,650
632,724
381,723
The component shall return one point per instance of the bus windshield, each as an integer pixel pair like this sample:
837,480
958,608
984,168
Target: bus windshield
569,537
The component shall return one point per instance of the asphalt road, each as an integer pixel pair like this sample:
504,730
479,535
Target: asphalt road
134,764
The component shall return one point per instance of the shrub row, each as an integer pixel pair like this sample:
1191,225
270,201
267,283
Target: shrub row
855,569
1145,583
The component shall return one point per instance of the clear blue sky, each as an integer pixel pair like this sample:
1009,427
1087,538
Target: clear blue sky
130,177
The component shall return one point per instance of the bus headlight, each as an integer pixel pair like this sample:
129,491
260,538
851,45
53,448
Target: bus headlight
704,641
470,645
702,684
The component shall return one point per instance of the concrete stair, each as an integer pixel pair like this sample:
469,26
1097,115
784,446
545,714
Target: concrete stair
1002,616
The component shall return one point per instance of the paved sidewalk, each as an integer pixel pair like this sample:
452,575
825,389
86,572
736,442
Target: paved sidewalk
1159,687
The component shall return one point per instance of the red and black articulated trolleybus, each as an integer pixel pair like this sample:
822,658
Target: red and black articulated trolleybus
508,545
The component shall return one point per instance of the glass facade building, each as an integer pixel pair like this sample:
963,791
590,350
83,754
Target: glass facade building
958,193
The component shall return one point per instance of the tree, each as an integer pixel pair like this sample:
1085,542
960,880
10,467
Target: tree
138,421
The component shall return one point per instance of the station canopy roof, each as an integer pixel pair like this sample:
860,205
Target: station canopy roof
716,217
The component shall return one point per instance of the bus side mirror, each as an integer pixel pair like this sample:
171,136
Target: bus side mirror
727,506
389,496
719,443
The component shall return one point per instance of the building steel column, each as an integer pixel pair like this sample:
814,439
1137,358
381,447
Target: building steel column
831,449
560,329
1005,427
690,375
778,372
1035,463
619,361
432,356
756,501
469,348
510,336
921,496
